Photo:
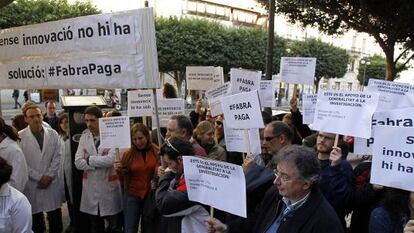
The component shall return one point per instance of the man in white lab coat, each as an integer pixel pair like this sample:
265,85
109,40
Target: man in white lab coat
41,149
101,189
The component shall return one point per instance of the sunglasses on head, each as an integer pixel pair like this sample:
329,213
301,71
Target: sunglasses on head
170,145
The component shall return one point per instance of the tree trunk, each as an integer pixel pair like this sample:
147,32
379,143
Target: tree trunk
391,70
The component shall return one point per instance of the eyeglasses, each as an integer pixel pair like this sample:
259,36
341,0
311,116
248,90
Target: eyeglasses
283,177
170,145
268,139
321,136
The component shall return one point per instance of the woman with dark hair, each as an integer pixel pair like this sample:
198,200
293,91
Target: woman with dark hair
137,171
394,211
66,164
12,153
15,209
169,91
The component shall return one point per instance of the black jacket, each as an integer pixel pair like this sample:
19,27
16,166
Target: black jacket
314,216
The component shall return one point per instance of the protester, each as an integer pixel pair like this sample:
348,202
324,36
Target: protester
101,190
137,171
180,126
15,96
169,91
13,154
337,178
409,227
41,148
204,135
18,122
181,215
50,116
198,114
395,210
276,136
15,209
294,203
66,165
232,157
295,121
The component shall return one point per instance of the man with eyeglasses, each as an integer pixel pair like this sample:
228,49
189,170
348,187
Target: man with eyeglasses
293,204
336,174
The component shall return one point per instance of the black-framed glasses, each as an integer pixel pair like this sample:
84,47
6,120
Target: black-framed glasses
167,141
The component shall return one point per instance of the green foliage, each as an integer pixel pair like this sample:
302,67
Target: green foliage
25,12
331,61
389,22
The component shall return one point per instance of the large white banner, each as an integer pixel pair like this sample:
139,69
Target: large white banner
345,112
308,107
214,98
403,117
267,93
140,103
117,46
244,80
203,77
392,94
242,111
98,71
299,70
114,132
166,109
393,158
236,140
218,184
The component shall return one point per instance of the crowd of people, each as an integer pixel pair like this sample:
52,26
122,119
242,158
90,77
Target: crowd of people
300,182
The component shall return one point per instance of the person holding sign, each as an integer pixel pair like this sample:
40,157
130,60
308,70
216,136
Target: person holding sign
293,204
171,196
204,135
337,176
101,190
295,121
136,170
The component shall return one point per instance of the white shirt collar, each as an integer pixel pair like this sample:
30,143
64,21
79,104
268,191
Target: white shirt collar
5,190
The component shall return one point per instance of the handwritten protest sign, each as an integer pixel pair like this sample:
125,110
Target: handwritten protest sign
242,111
267,93
215,183
347,113
114,132
236,141
392,94
244,80
308,107
203,77
214,98
99,51
168,108
300,70
393,158
403,117
140,103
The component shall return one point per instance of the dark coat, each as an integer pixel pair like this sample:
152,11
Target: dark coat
314,216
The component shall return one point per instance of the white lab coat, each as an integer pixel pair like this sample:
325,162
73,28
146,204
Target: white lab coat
15,211
11,151
101,188
39,163
66,166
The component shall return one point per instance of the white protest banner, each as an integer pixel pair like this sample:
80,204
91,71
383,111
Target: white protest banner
393,158
392,94
203,77
168,108
242,111
236,141
403,117
100,71
345,112
267,93
140,103
218,184
81,52
114,132
298,70
214,98
308,107
244,80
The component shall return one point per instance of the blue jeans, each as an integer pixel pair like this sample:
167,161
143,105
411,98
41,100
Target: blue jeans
133,207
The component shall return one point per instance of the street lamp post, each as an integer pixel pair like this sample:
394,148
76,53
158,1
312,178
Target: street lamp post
365,62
